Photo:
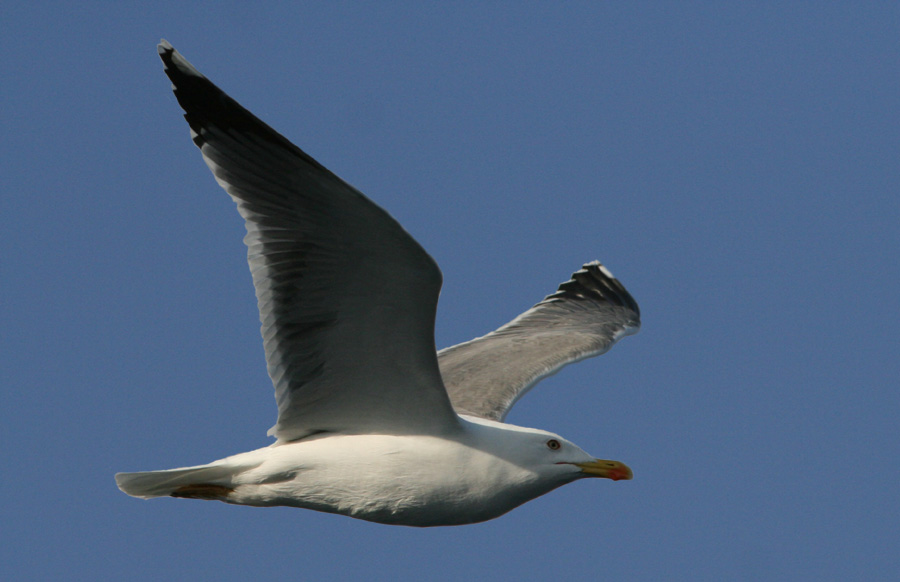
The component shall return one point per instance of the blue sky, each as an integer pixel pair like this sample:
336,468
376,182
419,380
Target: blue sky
734,164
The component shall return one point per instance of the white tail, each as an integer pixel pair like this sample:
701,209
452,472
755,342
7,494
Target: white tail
206,481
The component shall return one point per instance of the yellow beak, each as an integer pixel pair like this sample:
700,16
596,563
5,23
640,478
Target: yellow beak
607,469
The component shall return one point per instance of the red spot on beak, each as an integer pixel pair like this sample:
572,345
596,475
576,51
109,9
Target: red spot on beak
619,474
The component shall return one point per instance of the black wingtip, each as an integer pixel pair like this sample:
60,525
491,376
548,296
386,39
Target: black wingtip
206,106
176,66
594,281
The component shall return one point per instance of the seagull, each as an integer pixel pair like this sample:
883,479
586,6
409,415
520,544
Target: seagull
374,423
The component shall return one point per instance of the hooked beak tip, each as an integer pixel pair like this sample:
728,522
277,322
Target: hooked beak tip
615,470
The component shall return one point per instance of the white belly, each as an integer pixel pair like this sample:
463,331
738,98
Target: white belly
418,481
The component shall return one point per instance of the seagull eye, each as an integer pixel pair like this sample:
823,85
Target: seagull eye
553,445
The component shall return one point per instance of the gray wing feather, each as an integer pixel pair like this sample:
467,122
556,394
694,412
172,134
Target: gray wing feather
584,318
346,297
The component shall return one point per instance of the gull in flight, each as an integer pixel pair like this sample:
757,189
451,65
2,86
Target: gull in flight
373,423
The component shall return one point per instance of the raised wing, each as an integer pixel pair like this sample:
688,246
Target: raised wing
584,318
346,297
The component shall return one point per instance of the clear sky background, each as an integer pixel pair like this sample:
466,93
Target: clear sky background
734,164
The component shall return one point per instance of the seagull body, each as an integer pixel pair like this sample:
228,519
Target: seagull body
479,473
373,423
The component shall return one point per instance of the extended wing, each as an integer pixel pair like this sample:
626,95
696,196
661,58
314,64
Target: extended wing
346,297
584,318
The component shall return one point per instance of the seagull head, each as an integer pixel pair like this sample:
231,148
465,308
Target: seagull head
548,456
557,457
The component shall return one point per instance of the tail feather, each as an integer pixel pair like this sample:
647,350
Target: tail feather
178,482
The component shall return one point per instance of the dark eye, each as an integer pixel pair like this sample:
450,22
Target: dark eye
553,445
